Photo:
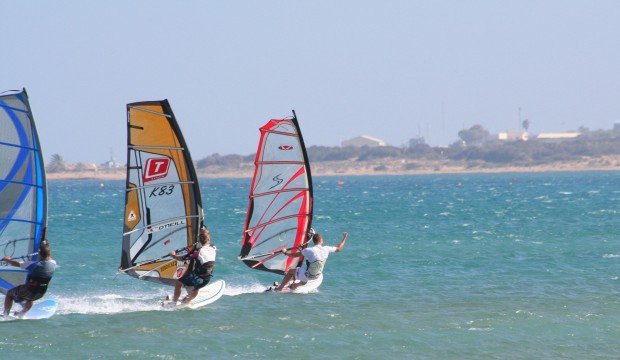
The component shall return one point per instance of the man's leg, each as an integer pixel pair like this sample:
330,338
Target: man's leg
290,274
177,291
191,296
25,308
296,285
8,302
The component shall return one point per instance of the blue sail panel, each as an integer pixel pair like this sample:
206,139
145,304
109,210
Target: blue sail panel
23,199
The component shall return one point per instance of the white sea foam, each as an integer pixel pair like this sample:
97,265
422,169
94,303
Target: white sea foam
234,290
611,256
109,303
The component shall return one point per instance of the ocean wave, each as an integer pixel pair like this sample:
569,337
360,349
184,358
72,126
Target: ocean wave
110,303
611,256
234,290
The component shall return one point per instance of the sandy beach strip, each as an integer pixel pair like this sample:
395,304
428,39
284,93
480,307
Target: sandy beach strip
384,167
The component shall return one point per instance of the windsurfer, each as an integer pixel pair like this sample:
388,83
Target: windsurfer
200,268
315,258
39,275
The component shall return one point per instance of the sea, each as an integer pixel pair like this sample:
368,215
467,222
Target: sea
467,266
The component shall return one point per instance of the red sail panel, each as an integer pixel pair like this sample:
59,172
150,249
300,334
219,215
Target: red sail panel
280,207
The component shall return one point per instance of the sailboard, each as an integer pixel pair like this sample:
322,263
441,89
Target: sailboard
206,296
40,310
308,287
23,189
163,207
280,202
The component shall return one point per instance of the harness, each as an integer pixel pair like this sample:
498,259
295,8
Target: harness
314,269
38,283
205,270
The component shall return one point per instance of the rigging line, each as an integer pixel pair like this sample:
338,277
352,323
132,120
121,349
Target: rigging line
149,111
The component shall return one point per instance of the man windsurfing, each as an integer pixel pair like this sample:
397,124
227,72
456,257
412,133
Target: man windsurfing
39,276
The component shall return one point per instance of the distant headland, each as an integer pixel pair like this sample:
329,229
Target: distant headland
591,150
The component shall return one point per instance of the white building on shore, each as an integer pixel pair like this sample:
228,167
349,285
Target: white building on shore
363,140
513,136
556,137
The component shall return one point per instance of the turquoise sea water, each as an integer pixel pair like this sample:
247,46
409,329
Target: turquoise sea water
518,266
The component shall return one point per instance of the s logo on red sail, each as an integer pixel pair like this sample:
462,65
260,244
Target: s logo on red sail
155,168
285,147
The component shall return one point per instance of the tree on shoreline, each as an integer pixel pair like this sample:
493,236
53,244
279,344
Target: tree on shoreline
475,135
56,164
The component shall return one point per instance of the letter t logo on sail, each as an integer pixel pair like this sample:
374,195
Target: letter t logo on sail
155,168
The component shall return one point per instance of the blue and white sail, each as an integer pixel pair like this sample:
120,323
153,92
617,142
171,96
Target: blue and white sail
23,195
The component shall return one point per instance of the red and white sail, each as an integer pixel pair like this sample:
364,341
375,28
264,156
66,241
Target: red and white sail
280,209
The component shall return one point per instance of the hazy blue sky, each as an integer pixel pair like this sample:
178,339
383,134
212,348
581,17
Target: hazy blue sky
389,69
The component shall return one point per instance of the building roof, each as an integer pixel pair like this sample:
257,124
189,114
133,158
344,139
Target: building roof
365,138
565,135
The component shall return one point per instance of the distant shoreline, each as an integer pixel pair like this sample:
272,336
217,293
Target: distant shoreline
391,167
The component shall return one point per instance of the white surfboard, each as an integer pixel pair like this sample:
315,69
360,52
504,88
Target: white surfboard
39,310
206,296
308,287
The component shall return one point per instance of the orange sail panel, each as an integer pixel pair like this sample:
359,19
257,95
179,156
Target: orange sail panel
280,207
163,208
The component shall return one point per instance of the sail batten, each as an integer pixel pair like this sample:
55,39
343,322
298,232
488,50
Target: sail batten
23,189
158,185
147,147
148,111
280,200
163,207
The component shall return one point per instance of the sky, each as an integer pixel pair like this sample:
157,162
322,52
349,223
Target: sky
389,69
